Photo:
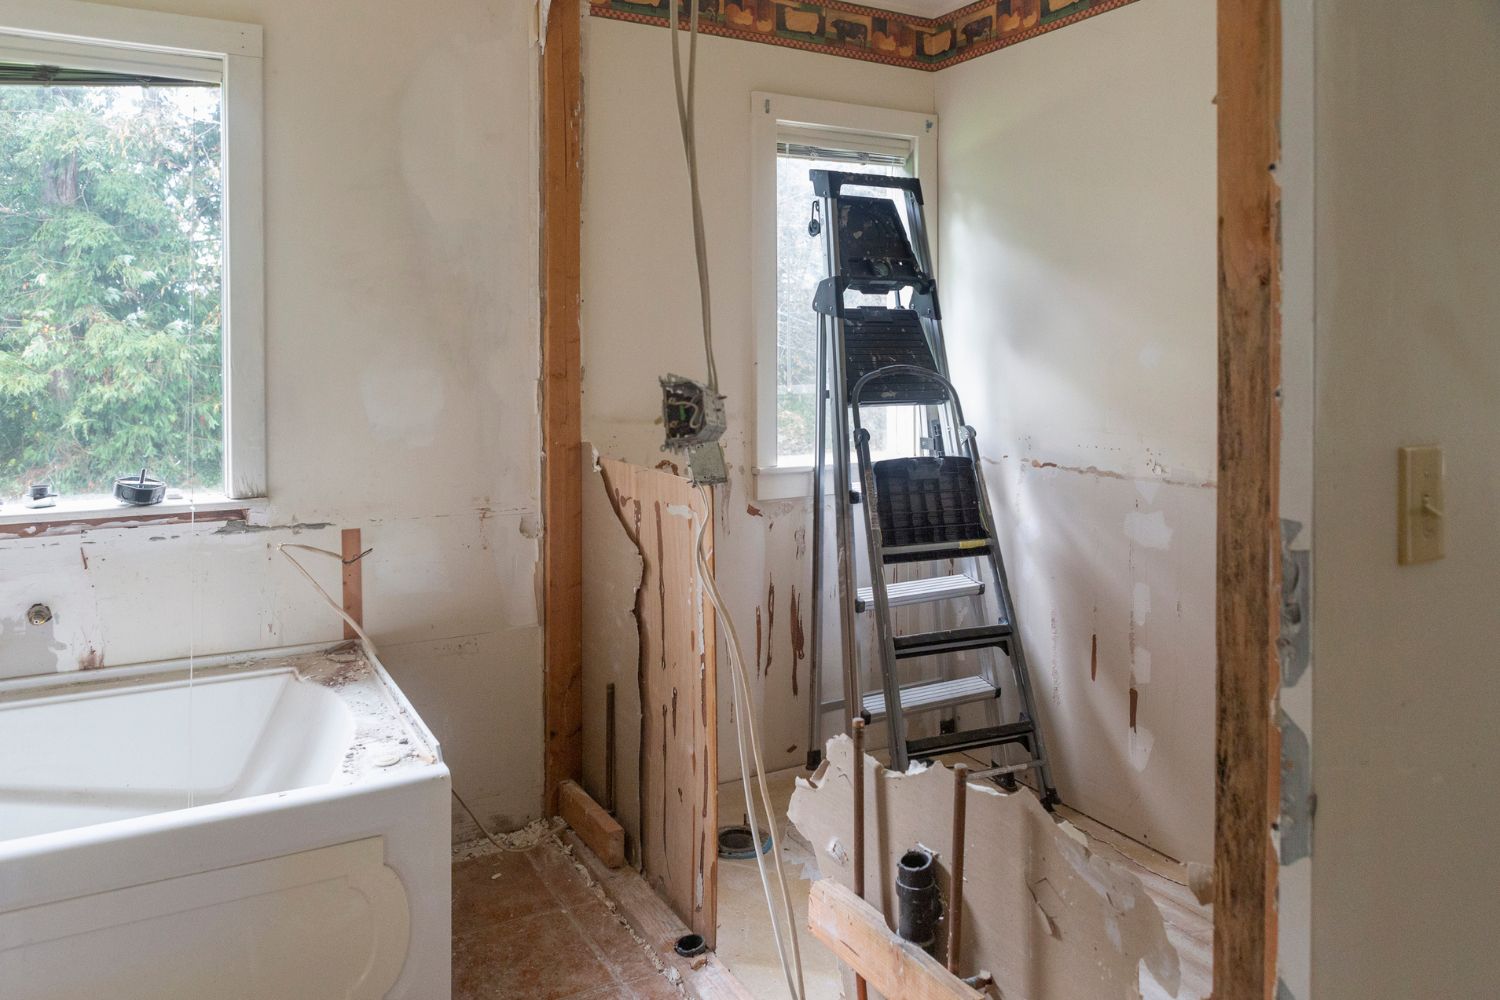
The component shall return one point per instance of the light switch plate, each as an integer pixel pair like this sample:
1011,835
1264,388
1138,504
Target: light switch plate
1420,530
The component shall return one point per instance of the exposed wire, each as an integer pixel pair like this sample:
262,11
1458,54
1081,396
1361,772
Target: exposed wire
369,647
745,732
686,101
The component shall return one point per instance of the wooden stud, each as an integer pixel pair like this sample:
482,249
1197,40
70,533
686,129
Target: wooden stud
354,581
857,935
562,445
1247,795
956,867
861,988
594,826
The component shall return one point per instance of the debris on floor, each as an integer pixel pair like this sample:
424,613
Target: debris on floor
1050,919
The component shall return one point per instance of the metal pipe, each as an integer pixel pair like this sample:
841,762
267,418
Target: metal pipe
858,733
918,904
956,866
609,749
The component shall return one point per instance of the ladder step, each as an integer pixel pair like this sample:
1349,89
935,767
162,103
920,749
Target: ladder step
879,338
954,640
932,551
925,591
973,739
935,694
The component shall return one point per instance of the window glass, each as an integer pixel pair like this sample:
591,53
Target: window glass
111,255
800,265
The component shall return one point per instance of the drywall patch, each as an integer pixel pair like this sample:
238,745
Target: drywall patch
1297,798
1149,531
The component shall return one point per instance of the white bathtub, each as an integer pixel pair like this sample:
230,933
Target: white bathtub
277,826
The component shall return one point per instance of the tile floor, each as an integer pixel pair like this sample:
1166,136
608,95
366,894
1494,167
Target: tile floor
527,924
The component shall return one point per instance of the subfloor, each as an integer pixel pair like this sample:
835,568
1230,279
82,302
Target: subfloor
528,925
747,947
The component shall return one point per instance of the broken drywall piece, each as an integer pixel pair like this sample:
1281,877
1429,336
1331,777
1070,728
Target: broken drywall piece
611,650
1047,917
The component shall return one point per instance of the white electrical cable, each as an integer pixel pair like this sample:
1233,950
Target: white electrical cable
369,645
686,100
745,731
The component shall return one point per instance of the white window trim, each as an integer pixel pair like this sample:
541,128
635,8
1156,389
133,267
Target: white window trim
769,114
82,34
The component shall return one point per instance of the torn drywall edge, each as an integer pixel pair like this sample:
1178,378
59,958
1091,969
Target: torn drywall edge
1297,800
1294,644
612,646
1099,926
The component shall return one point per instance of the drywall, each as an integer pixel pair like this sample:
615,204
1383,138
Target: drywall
401,249
641,317
1408,291
1078,247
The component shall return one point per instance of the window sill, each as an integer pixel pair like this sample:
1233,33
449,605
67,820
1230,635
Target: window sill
71,515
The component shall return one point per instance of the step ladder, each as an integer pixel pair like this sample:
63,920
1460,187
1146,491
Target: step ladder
928,512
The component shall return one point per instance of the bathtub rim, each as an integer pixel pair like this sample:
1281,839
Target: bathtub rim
120,678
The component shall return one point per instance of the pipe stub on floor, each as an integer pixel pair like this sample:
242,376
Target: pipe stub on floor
737,843
690,945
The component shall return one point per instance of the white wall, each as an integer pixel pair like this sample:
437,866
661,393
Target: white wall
1406,687
401,221
1078,246
641,315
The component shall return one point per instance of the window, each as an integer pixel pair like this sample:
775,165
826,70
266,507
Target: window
130,255
793,136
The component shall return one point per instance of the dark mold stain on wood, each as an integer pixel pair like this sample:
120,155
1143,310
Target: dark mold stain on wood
799,639
770,623
752,510
1094,659
1135,701
757,642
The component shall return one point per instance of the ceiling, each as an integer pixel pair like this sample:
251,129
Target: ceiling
922,8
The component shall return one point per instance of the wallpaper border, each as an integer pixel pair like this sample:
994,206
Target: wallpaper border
854,31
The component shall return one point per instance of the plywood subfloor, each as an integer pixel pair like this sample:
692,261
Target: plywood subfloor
528,926
746,945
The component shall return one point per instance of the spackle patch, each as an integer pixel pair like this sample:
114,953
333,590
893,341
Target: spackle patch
1141,743
1149,531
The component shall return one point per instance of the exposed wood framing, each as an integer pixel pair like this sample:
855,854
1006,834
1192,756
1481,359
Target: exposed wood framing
354,586
703,977
562,498
594,826
679,692
1249,571
857,935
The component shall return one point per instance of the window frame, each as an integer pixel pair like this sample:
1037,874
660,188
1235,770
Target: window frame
770,115
94,36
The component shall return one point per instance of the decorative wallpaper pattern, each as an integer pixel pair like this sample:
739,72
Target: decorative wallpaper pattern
857,32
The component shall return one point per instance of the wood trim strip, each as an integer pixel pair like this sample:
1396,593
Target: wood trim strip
562,446
126,520
1247,799
354,580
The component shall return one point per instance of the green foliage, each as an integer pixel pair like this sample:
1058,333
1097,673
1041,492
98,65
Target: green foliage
110,320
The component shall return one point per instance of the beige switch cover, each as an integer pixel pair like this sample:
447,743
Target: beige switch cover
1420,528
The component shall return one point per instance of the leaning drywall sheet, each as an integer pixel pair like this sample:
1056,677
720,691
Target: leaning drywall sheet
611,653
1046,917
677,766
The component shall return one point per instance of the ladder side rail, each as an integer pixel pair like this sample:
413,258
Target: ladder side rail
916,216
815,655
839,408
886,643
1037,744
